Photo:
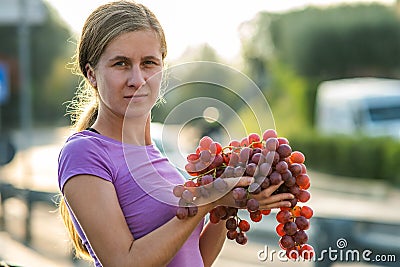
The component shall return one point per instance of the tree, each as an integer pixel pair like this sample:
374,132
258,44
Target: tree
52,84
288,54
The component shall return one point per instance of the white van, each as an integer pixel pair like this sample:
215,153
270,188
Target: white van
367,106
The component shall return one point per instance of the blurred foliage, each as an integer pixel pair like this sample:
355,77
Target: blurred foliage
289,54
373,158
52,84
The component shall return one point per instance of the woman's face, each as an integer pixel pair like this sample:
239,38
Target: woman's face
129,72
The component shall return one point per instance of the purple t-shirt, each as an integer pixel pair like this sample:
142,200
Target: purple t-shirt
143,180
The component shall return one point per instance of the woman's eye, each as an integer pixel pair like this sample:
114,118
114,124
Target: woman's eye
149,62
120,63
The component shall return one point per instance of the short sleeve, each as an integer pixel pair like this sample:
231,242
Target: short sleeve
84,155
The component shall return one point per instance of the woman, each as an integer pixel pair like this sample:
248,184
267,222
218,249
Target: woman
112,219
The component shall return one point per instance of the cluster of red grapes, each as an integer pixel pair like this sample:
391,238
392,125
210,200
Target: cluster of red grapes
271,161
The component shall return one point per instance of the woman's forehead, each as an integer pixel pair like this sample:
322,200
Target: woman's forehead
144,41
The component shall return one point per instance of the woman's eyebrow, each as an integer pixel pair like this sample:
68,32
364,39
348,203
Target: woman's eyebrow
119,58
152,58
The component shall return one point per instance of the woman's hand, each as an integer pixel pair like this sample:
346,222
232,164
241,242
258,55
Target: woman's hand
269,201
265,198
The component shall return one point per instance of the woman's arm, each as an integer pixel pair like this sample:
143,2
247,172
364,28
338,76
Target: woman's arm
95,205
211,241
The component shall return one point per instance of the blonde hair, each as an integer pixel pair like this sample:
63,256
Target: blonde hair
102,26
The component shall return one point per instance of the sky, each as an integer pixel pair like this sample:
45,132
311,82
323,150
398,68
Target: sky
189,23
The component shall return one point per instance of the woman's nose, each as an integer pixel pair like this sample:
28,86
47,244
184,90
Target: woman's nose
136,78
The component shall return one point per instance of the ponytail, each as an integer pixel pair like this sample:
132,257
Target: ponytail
82,118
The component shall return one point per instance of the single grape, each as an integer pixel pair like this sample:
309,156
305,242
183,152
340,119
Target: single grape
290,228
286,175
303,195
271,144
287,241
228,172
192,210
244,225
213,217
178,190
307,212
205,143
279,229
245,154
187,196
239,171
220,185
284,150
275,178
297,157
239,193
281,166
295,169
300,237
252,204
207,179
205,156
241,238
283,216
256,158
269,133
302,223
294,189
266,212
234,159
231,234
256,216
182,213
251,169
231,224
302,180
290,182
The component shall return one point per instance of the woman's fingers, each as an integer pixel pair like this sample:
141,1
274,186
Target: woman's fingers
269,201
239,181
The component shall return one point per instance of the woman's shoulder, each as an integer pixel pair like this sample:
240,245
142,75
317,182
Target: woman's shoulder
84,142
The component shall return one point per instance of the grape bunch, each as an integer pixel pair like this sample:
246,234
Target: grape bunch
267,158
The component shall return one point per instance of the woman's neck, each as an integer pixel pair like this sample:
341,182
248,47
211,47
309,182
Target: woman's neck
134,131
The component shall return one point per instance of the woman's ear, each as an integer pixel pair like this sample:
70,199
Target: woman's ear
91,76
